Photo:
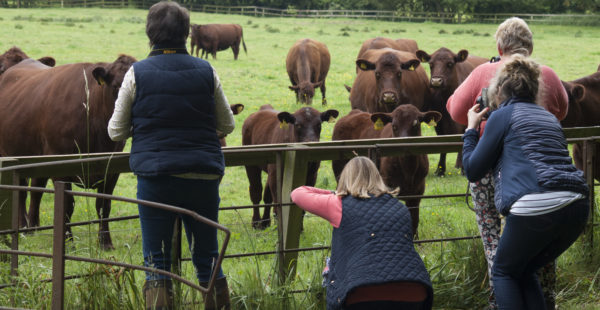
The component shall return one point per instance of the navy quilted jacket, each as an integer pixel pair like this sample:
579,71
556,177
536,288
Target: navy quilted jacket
526,147
373,245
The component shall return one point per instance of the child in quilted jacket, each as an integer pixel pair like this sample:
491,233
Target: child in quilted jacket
373,262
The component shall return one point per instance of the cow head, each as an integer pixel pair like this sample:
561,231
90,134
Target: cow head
388,75
406,120
442,66
15,55
110,75
306,123
576,93
305,91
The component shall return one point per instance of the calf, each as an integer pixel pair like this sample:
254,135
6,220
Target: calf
268,126
389,78
448,70
407,171
584,110
307,65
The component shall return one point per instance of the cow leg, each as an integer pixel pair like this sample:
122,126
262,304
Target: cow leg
35,201
324,100
236,50
255,189
440,171
337,166
268,199
413,208
459,164
22,199
103,207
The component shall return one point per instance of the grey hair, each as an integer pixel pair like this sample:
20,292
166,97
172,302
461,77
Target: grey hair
360,178
520,77
513,36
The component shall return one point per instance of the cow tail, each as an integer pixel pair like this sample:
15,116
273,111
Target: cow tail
244,44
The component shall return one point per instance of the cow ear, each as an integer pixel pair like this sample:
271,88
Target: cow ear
411,65
318,84
294,87
461,56
423,56
237,108
575,91
286,118
365,65
431,117
329,116
101,75
380,120
48,61
348,88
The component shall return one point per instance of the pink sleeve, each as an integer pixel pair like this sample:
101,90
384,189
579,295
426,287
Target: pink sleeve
555,99
320,202
464,97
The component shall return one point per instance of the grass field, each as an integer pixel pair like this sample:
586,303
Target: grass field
458,269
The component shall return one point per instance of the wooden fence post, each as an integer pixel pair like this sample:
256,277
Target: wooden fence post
294,175
58,248
6,178
589,158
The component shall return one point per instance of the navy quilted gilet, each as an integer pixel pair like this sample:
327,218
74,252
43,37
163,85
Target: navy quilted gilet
373,245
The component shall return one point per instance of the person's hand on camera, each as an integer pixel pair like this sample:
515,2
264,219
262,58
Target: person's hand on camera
475,116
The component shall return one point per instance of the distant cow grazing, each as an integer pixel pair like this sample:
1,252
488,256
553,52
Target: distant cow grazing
268,126
448,70
388,78
584,110
44,112
408,171
307,64
15,55
212,38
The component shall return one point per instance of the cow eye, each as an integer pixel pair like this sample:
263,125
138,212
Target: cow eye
377,75
399,74
395,128
415,122
450,65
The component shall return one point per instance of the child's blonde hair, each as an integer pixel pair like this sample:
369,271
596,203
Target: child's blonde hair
360,178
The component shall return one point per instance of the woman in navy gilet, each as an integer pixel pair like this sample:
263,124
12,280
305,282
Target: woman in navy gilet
173,106
373,262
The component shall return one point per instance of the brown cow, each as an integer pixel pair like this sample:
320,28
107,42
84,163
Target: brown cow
389,78
236,109
448,70
307,64
584,110
15,55
44,112
212,38
408,171
268,126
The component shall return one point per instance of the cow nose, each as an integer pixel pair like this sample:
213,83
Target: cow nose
436,82
389,98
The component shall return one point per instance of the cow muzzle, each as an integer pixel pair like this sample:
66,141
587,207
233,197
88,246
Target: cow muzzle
389,98
436,82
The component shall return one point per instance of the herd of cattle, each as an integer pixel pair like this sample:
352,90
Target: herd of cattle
390,97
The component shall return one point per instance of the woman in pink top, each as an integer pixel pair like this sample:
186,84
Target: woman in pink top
513,36
373,262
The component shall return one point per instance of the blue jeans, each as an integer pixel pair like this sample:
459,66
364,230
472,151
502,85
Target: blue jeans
527,244
200,196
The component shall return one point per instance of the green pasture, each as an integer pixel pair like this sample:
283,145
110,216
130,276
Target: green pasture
458,269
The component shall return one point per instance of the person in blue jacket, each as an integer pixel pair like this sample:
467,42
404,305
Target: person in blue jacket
543,197
173,106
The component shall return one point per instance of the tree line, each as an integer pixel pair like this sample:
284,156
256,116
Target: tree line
446,6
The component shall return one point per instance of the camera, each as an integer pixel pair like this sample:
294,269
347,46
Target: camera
483,101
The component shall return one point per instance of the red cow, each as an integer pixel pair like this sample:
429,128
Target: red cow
15,55
584,110
268,126
407,45
448,70
212,38
388,78
408,171
307,64
46,111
